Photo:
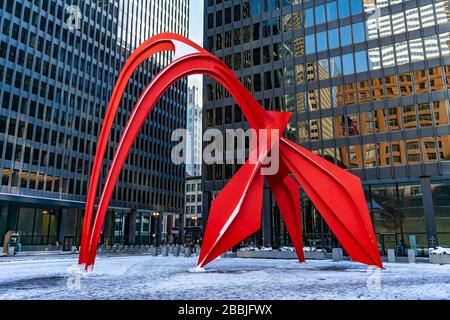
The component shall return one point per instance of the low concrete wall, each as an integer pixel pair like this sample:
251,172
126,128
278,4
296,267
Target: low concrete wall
315,255
440,258
41,248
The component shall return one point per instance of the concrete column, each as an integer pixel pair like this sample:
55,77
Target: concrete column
159,229
132,227
267,217
169,228
164,228
428,208
182,218
62,225
12,218
3,221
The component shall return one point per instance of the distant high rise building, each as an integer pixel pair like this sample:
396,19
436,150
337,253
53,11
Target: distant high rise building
195,133
193,228
58,67
367,82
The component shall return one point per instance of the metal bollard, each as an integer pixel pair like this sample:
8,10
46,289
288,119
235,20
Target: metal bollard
165,251
391,255
338,254
176,251
411,256
187,252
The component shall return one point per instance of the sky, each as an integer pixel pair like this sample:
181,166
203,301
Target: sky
196,33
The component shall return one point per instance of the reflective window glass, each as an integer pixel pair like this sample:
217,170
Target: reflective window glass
416,50
325,103
331,11
310,43
402,52
431,47
346,35
320,14
384,26
388,56
361,61
358,32
398,23
356,6
323,69
309,17
412,19
256,7
322,41
344,8
335,66
347,61
333,38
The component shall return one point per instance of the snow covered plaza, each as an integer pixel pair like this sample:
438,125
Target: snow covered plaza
153,278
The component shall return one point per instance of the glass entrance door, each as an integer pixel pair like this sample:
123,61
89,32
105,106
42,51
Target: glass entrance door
388,241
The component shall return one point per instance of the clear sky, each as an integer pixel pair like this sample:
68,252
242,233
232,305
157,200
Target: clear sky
196,33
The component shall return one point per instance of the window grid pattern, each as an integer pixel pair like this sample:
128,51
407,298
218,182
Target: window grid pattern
55,85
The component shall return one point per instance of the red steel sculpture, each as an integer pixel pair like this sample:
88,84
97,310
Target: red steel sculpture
236,212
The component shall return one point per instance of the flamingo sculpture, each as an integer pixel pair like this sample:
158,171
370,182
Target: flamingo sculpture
236,212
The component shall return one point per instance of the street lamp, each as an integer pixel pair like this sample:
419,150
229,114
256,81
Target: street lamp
194,231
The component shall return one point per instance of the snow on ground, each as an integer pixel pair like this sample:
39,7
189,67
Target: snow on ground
146,277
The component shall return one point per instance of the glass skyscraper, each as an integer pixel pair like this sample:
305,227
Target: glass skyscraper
59,61
367,83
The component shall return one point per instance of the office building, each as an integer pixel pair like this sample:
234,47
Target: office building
194,133
367,83
193,228
58,67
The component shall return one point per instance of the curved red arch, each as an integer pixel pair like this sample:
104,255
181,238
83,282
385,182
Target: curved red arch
199,63
154,45
335,192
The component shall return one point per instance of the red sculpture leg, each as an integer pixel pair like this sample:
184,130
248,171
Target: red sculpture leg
154,45
287,196
339,197
235,214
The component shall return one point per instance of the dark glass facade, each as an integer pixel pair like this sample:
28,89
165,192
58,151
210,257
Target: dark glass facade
58,66
367,83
